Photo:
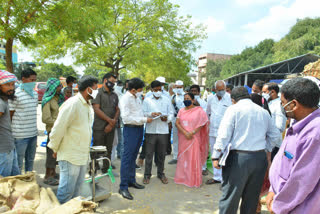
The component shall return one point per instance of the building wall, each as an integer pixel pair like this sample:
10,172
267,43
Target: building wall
3,53
202,64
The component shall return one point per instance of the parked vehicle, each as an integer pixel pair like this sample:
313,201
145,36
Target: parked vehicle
40,88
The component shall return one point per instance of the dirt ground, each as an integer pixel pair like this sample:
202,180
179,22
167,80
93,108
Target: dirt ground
155,198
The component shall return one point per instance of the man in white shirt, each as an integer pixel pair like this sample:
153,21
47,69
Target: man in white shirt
177,102
270,92
157,131
162,80
133,119
23,112
195,90
249,130
216,107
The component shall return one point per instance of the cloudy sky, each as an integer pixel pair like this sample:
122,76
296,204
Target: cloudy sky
233,25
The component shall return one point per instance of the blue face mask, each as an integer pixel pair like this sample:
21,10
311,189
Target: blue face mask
28,87
187,103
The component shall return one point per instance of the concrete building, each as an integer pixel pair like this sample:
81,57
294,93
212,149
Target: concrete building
3,53
202,64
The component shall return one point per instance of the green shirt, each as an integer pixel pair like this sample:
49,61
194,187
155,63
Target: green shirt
71,134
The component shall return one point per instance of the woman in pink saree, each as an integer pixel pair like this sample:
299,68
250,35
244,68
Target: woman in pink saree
192,124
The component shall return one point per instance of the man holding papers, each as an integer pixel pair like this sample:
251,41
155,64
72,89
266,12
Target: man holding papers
159,108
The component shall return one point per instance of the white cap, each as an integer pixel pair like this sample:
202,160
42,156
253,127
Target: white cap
161,79
179,82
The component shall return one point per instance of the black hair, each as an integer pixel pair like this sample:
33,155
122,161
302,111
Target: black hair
27,73
305,91
196,87
70,79
155,83
239,93
190,94
108,75
259,84
119,83
257,99
273,86
135,83
86,82
230,86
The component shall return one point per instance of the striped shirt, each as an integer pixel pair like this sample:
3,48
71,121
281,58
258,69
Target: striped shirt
24,120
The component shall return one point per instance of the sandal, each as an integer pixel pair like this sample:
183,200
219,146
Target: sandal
163,179
51,181
56,176
146,180
212,181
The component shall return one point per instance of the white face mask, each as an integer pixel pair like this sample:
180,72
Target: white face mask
179,90
197,97
174,90
266,96
139,94
94,93
162,88
74,85
157,94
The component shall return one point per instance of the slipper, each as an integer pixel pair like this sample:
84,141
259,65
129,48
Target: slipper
212,181
56,176
164,179
205,172
146,180
51,181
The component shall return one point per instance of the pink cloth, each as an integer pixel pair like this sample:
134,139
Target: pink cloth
192,153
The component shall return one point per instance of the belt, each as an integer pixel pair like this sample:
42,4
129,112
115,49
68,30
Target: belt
133,126
243,151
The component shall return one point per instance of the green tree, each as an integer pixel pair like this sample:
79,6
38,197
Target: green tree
123,36
213,71
18,17
54,70
2,64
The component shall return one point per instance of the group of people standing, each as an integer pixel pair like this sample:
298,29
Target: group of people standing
242,134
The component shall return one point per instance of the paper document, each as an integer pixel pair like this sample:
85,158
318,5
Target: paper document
154,118
223,159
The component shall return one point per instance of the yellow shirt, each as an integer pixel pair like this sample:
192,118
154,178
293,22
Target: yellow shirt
72,131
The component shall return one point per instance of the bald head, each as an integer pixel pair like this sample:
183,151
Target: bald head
220,85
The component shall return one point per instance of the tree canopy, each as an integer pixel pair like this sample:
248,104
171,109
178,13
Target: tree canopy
45,71
303,38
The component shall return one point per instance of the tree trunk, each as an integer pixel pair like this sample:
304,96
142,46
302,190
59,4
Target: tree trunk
9,64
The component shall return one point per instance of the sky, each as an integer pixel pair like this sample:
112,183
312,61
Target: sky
233,25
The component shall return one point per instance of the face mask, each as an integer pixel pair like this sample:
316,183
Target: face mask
221,93
28,87
109,84
284,110
139,94
74,85
213,92
187,103
118,89
197,97
94,93
266,96
179,90
174,90
162,88
157,94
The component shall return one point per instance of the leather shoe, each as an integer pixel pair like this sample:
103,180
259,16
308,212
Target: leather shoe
136,185
125,194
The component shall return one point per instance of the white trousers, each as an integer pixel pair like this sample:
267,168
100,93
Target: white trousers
217,173
175,139
114,146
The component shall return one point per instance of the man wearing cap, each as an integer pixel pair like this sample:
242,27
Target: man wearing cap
164,92
177,102
8,156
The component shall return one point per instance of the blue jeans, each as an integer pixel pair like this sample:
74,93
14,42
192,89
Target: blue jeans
132,140
120,143
71,178
26,150
9,164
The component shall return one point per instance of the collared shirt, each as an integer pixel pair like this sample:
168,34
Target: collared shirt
71,134
162,105
278,118
108,104
164,93
50,112
202,103
24,120
177,103
131,110
295,177
216,109
247,126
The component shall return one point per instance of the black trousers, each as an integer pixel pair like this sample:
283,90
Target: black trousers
169,148
155,142
274,152
242,179
100,138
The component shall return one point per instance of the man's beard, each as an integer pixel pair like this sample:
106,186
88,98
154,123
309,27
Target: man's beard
9,95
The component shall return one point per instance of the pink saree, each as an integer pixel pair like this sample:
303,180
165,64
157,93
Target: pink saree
192,153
